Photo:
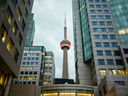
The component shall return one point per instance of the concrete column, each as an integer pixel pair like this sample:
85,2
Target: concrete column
75,92
58,92
8,86
42,93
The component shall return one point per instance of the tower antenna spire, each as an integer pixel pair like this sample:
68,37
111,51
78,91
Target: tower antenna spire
65,19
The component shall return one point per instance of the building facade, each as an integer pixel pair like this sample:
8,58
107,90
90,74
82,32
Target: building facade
37,66
30,32
100,42
14,18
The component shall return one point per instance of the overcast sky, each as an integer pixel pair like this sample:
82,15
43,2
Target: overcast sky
49,30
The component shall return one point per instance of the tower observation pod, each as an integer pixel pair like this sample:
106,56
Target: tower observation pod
65,46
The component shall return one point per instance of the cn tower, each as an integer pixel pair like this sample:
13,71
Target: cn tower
65,46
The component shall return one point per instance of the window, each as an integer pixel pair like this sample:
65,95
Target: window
31,68
34,78
37,58
109,23
98,44
25,54
45,82
49,77
29,82
110,30
91,6
20,39
28,4
92,11
93,17
101,62
107,17
33,54
114,45
24,58
14,2
104,88
106,44
26,72
30,78
18,14
106,11
23,68
16,55
102,23
50,68
33,82
37,54
22,3
26,13
103,72
23,25
110,62
36,68
27,68
97,1
35,72
112,72
22,72
29,54
23,63
125,51
99,53
104,36
119,83
14,28
9,15
28,58
49,82
116,53
45,77
103,1
32,63
46,68
94,23
103,30
2,3
121,72
28,63
21,77
3,33
119,62
96,36
112,37
108,53
36,63
30,72
105,6
95,30
25,78
50,64
10,46
98,6
99,11
33,58
100,17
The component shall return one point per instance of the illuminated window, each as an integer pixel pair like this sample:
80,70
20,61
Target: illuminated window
25,77
9,16
10,46
14,2
23,68
34,78
50,72
103,72
45,82
45,73
121,31
33,54
126,72
21,77
49,82
20,39
2,3
94,76
27,68
14,28
22,3
19,14
46,64
45,77
121,72
30,78
16,55
36,68
29,54
47,56
3,33
112,72
31,68
26,13
23,25
50,64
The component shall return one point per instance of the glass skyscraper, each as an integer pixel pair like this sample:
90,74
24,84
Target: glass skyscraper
30,32
101,44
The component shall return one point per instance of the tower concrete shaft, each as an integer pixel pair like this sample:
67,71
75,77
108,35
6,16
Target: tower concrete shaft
65,45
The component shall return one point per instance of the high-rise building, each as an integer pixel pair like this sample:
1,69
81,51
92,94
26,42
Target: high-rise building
100,41
30,32
14,18
37,66
65,45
